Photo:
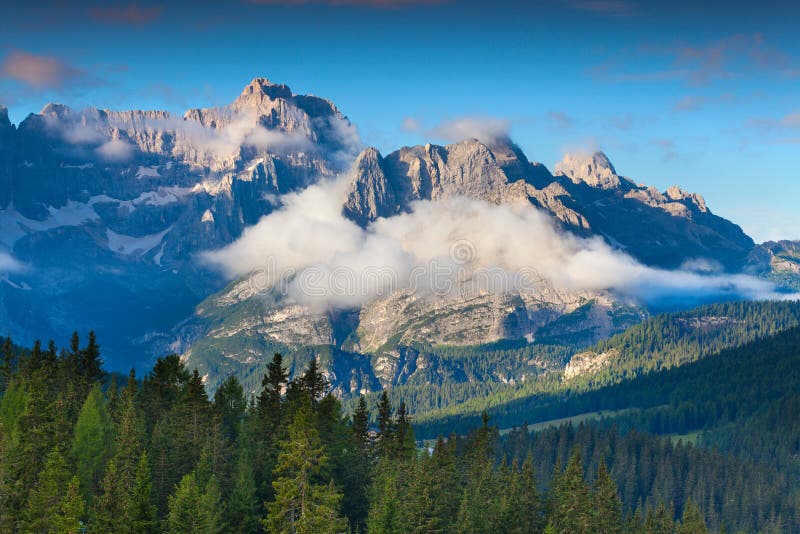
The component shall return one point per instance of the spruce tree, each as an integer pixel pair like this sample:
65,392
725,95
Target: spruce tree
304,503
692,521
140,512
90,364
108,511
386,430
71,509
359,465
660,520
45,500
241,514
404,434
272,386
92,439
211,508
606,505
229,407
185,508
384,504
571,505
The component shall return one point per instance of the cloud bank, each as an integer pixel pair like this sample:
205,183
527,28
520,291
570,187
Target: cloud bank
38,72
322,259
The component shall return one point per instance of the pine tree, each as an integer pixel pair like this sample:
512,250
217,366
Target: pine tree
44,502
480,506
404,433
71,509
303,504
386,430
241,510
312,381
521,507
692,521
359,465
162,388
571,506
185,508
660,521
108,512
384,515
91,444
165,471
269,400
211,508
190,419
90,364
606,505
229,407
432,492
33,436
140,512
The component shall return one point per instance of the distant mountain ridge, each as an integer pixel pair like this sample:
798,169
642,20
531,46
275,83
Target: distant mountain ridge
108,211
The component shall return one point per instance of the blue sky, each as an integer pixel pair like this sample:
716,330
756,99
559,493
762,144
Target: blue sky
706,97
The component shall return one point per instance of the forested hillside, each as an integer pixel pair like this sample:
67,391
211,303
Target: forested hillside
662,342
84,449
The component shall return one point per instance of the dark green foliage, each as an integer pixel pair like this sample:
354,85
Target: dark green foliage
303,504
163,457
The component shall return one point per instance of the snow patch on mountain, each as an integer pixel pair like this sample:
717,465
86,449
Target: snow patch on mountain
131,245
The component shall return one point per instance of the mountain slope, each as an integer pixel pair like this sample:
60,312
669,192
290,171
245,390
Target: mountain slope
107,210
663,342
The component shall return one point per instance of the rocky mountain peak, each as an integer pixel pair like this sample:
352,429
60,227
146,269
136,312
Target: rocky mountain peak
4,120
594,170
262,87
55,110
679,195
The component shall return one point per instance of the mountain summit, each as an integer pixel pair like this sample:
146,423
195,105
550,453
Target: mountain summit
143,193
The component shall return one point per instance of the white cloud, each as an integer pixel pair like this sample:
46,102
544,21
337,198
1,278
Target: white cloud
8,264
115,150
309,236
484,129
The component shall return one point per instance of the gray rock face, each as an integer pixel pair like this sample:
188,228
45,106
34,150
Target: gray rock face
586,196
129,198
778,261
594,170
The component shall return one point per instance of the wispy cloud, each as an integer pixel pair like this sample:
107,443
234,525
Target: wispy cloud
132,14
560,120
783,130
667,147
698,102
732,57
40,72
484,129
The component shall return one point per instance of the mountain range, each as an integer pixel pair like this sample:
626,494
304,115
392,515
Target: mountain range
106,219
